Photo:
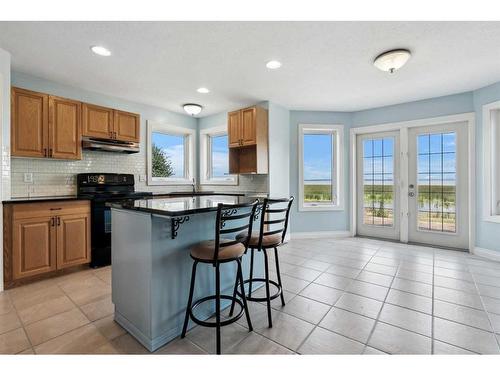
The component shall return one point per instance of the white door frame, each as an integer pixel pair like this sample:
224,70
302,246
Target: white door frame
403,127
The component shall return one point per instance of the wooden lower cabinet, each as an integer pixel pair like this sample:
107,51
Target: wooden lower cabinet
43,238
34,247
73,240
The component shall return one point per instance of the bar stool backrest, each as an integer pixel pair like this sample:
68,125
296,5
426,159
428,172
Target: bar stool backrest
275,214
232,220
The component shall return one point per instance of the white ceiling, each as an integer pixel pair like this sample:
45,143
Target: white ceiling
326,65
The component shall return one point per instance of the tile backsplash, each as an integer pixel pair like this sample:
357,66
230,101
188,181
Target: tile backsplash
58,177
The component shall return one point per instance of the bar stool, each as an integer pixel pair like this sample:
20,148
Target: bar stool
271,235
231,220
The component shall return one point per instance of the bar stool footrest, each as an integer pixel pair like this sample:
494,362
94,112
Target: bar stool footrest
222,322
262,299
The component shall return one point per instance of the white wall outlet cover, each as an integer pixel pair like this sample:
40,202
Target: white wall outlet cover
142,177
28,178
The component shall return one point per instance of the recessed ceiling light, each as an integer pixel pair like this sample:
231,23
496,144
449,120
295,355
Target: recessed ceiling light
100,50
273,64
390,61
192,108
203,90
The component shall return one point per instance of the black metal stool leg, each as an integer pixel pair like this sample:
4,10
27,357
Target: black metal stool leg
251,273
190,299
217,306
243,297
266,264
279,274
234,292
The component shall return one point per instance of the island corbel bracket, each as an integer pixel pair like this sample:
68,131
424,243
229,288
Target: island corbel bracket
176,223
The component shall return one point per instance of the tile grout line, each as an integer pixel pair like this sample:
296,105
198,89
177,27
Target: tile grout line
22,326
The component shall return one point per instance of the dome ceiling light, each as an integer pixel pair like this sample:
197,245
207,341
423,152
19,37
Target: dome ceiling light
192,109
390,61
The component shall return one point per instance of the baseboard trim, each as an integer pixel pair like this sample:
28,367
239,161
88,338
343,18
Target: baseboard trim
322,234
487,253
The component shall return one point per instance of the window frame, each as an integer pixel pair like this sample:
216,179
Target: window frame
337,133
491,147
206,158
189,153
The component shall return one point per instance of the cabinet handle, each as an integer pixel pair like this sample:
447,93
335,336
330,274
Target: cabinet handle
44,152
115,135
52,221
58,221
55,208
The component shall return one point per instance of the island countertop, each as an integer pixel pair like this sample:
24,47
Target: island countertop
181,205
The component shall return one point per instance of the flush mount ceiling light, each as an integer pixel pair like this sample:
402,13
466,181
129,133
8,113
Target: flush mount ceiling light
273,64
100,50
390,61
203,90
192,108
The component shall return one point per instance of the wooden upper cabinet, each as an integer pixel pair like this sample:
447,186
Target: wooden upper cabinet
33,246
64,128
29,123
234,128
248,126
97,121
73,240
126,126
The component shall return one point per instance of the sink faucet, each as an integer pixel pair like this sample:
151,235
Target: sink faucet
194,186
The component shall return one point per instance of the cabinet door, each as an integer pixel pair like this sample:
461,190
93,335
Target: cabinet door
64,128
73,240
234,128
33,247
29,123
97,121
126,126
248,127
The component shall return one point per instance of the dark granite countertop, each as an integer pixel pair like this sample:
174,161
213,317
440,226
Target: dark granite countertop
42,199
180,205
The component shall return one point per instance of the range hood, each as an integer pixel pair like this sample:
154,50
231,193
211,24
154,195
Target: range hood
109,145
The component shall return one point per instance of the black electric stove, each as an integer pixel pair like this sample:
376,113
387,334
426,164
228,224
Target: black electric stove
101,188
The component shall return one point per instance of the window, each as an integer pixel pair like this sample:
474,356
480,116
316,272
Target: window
214,157
170,155
491,145
320,167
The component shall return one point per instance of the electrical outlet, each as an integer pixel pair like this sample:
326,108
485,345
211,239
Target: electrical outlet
142,177
28,178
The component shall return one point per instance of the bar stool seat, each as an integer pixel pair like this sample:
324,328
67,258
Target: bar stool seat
270,241
204,251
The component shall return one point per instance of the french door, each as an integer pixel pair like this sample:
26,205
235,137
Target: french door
429,164
378,189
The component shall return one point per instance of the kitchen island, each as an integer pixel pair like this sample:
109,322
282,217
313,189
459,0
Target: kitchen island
151,265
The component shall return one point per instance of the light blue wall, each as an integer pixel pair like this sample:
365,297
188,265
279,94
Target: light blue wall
327,220
441,106
487,234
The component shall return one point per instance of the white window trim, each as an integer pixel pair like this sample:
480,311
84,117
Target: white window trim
206,160
189,153
490,148
338,166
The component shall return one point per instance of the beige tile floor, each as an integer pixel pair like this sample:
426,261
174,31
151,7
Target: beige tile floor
343,296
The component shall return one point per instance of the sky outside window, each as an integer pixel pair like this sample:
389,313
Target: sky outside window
220,156
317,168
173,147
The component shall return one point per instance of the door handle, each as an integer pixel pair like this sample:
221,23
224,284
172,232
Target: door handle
411,194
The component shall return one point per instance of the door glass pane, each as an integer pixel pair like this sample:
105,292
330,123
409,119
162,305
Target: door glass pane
378,182
318,161
168,155
220,156
436,190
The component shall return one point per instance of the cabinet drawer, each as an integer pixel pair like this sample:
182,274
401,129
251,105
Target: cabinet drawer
41,209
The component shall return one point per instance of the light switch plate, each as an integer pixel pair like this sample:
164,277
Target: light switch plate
28,178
